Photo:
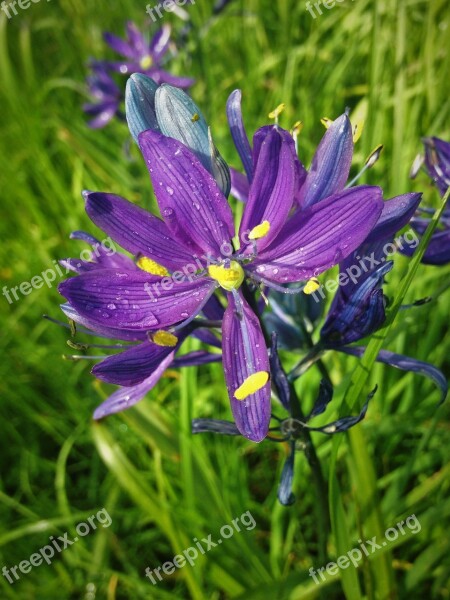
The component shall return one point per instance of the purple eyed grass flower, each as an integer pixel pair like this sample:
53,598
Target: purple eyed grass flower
190,255
437,165
139,56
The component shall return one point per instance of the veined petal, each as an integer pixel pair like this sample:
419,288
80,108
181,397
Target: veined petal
238,133
397,212
140,104
198,357
133,365
406,363
192,205
125,397
437,161
135,229
95,328
240,187
134,300
357,310
321,236
273,188
244,354
331,163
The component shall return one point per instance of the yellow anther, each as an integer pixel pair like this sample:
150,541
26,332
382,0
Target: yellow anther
230,278
164,338
297,128
146,62
252,384
357,130
277,112
326,122
311,286
195,117
259,231
151,266
374,156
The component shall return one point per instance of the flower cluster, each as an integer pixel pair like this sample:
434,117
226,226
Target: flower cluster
237,290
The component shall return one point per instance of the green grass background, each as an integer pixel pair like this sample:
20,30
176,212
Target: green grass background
389,61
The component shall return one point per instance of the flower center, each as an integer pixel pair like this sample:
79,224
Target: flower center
146,62
229,277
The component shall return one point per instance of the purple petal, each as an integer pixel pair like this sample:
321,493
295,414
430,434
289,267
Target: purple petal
136,39
134,300
133,365
285,495
331,163
119,45
128,396
244,353
162,76
397,212
406,363
238,133
273,187
437,161
279,376
135,229
239,185
321,236
438,249
101,331
160,42
192,205
198,357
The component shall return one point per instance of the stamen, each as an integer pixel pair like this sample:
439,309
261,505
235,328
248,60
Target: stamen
230,277
276,287
252,384
370,161
326,122
150,266
296,130
259,231
311,286
277,112
195,117
357,130
164,338
146,62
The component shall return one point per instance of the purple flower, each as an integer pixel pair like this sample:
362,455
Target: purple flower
139,56
190,255
437,163
158,350
106,98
